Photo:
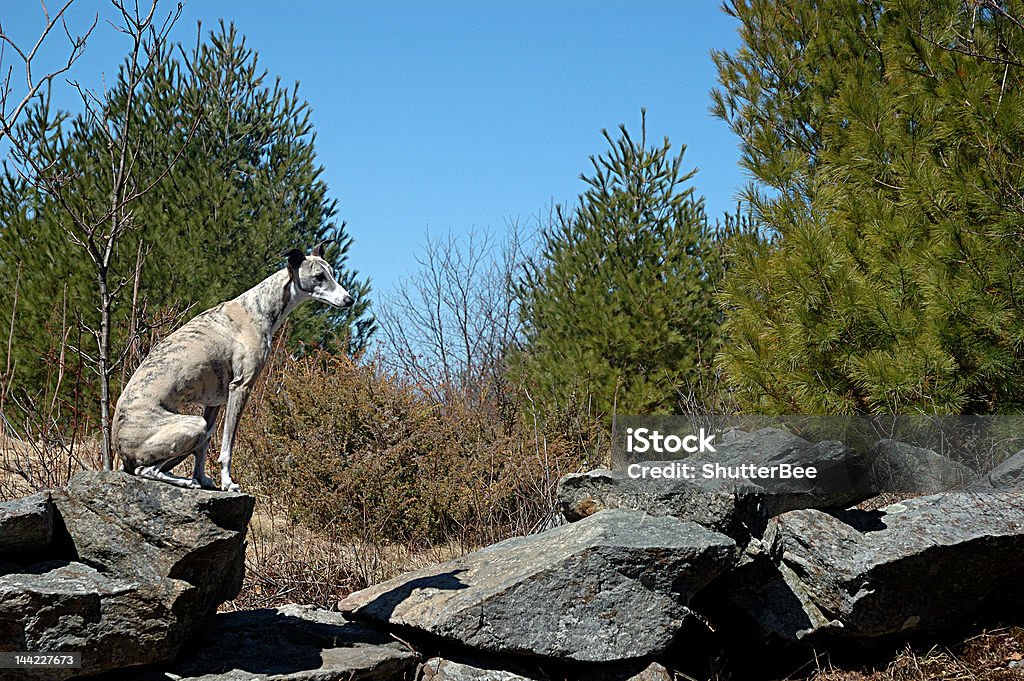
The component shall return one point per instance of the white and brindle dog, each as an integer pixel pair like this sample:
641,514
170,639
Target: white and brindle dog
213,360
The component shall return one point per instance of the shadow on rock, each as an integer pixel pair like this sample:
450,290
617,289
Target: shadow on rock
295,641
862,521
382,607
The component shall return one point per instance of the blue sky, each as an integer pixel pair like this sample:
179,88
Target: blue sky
462,114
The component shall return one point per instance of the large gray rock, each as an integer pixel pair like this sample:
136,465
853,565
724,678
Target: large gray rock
440,669
113,622
922,564
734,507
26,528
610,587
144,530
902,468
294,642
127,525
144,565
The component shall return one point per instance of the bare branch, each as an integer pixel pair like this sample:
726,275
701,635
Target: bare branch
167,169
448,328
93,229
32,87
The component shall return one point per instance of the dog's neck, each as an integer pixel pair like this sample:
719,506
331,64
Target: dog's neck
272,300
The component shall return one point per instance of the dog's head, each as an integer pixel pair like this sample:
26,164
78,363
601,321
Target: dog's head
314,276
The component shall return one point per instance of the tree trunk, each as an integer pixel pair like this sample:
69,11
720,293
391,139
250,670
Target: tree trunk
103,360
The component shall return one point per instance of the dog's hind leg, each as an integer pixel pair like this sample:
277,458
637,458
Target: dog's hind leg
155,473
168,443
199,472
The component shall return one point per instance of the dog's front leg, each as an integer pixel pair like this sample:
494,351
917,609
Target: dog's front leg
238,395
199,477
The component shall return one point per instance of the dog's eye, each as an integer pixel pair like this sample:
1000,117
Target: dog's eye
320,276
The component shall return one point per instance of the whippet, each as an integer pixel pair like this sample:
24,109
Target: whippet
212,360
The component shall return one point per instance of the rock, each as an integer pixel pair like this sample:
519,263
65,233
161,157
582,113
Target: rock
903,468
440,669
144,565
581,495
294,642
26,528
735,508
1009,474
113,622
610,587
840,471
923,564
145,530
652,672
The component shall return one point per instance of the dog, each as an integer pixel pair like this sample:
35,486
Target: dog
212,360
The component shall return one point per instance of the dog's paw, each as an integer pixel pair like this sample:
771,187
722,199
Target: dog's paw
194,484
206,483
231,487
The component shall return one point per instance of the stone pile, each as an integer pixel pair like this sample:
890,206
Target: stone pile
617,585
130,573
120,569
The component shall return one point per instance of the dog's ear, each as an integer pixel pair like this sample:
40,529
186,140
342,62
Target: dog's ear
318,250
295,258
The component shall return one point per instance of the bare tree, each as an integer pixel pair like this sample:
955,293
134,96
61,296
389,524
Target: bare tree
97,231
12,106
449,326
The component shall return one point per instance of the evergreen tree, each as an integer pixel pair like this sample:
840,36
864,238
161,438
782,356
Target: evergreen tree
242,188
248,188
618,306
885,141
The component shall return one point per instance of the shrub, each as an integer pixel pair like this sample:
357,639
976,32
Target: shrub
345,449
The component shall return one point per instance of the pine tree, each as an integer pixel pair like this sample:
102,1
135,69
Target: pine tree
618,306
242,188
885,140
249,188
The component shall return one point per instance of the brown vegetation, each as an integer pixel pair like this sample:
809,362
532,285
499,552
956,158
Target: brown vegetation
359,476
988,656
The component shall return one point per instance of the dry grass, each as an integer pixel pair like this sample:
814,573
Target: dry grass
996,655
42,461
288,563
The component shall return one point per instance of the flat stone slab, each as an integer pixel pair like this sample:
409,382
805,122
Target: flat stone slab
611,587
291,643
440,669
